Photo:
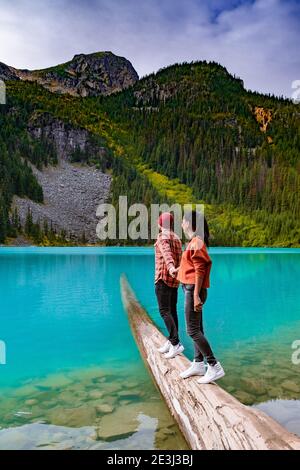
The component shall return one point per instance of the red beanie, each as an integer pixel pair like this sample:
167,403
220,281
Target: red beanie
166,220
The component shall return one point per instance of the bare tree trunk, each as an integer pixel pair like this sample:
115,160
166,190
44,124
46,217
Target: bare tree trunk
208,417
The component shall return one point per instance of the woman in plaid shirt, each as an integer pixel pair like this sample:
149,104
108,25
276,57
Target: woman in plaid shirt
168,250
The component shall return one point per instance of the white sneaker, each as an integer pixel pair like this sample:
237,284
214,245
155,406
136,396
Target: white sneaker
174,351
196,368
213,373
165,347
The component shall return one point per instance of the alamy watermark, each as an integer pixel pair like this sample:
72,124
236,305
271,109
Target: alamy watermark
2,353
296,353
140,222
2,92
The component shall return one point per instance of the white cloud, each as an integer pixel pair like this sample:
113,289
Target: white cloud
256,40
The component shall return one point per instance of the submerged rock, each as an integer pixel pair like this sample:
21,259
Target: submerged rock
245,397
54,381
130,394
290,386
94,394
77,417
31,402
254,386
104,408
120,424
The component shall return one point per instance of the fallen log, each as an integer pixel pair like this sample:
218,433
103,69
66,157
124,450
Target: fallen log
208,416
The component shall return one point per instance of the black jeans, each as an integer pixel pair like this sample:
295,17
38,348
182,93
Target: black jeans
167,304
194,325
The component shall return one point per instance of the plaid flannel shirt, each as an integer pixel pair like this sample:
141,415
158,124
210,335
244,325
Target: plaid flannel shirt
168,251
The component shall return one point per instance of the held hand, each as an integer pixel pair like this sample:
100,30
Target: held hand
173,271
197,303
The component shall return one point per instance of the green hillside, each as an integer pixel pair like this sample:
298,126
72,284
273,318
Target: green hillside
190,133
233,148
17,150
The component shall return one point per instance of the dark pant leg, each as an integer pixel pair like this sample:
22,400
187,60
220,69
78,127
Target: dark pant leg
197,352
198,323
194,324
168,310
174,296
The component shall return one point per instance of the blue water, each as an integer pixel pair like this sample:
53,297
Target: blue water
61,311
61,307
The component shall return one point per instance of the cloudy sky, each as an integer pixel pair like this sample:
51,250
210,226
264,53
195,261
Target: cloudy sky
258,40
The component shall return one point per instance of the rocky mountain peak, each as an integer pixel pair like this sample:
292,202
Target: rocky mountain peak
99,73
7,73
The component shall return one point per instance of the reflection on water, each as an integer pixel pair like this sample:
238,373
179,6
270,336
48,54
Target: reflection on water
286,412
61,314
258,371
49,437
90,408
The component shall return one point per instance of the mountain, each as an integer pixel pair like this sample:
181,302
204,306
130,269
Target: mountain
101,73
190,132
236,150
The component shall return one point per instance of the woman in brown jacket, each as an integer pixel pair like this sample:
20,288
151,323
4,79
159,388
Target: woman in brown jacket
193,273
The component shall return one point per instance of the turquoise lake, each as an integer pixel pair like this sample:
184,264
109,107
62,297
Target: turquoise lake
73,377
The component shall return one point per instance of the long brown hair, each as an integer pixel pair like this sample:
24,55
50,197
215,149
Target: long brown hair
193,218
